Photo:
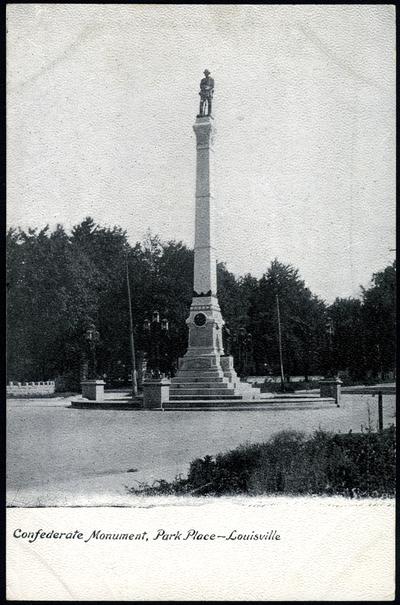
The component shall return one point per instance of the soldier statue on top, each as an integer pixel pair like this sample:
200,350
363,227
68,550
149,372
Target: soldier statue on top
206,94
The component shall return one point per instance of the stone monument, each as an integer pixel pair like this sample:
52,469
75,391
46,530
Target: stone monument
205,372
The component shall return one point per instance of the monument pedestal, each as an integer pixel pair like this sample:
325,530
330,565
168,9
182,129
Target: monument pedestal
331,387
228,369
93,389
155,393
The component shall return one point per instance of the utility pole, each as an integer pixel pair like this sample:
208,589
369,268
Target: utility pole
134,375
280,344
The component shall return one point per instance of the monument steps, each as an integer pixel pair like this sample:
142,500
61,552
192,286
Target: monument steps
108,404
205,387
190,393
204,397
199,376
199,385
246,392
294,395
246,386
298,400
255,404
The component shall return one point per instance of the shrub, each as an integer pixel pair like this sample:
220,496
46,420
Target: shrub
353,464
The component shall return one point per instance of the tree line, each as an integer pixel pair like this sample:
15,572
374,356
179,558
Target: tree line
59,283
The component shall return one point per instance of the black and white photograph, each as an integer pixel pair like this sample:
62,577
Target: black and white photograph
201,313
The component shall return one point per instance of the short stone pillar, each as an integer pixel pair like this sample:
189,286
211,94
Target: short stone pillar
331,387
228,369
93,389
155,392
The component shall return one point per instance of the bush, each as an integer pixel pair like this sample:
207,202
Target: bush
353,464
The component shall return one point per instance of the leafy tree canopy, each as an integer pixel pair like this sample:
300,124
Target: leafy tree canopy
59,282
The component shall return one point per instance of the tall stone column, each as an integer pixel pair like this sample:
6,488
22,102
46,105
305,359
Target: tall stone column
205,373
205,320
205,277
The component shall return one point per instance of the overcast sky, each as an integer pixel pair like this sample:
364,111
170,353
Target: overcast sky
102,99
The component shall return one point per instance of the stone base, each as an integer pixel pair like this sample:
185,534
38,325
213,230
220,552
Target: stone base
229,370
155,393
109,404
268,405
209,378
93,389
200,363
331,387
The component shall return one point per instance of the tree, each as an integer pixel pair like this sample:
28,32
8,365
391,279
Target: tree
349,337
302,317
232,298
379,321
59,283
106,250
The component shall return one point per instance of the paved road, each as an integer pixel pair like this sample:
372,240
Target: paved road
61,456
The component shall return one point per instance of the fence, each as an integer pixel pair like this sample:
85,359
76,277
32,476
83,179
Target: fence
47,387
380,390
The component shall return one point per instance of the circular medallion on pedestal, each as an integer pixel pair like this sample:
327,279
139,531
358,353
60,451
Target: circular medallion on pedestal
200,320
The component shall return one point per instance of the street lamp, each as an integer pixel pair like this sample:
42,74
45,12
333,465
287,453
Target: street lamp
131,332
278,317
157,345
226,339
244,348
92,338
329,332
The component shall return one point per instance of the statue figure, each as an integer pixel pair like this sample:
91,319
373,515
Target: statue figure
206,94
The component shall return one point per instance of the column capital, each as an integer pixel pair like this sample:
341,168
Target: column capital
205,130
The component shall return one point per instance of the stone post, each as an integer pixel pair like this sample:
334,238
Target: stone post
155,393
228,369
331,387
93,389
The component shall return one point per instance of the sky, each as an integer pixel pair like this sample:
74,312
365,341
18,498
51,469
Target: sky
101,100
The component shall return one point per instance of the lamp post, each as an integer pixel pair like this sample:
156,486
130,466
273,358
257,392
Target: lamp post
331,385
226,339
278,315
241,335
157,345
305,330
92,338
132,341
244,348
329,333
